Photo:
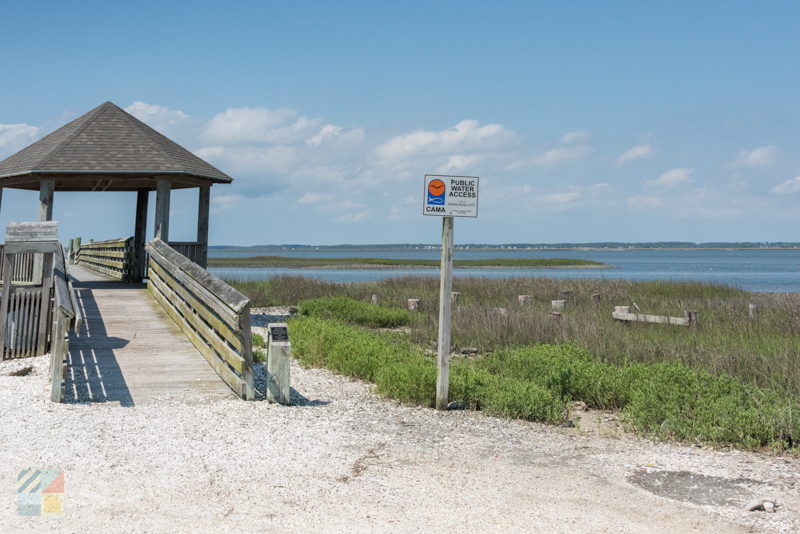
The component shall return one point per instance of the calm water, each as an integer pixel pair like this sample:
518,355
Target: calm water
754,270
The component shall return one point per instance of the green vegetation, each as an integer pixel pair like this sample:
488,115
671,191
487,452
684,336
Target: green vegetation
355,312
296,263
537,383
259,355
730,380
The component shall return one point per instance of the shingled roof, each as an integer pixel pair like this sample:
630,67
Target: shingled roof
106,149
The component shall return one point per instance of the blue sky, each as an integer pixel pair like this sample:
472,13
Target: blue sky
586,121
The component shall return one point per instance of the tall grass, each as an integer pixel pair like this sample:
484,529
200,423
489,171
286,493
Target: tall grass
763,352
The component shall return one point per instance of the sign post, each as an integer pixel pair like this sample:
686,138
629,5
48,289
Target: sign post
447,197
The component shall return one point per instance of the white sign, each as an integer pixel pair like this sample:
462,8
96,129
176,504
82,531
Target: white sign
450,196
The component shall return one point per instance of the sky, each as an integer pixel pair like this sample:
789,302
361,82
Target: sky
585,121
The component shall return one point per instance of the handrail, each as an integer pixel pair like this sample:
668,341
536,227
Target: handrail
113,257
194,250
213,315
65,313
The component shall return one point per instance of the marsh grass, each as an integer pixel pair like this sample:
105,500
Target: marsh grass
764,352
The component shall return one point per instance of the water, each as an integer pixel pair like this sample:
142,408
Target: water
753,270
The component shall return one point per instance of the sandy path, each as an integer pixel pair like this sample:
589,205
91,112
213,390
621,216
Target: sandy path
347,461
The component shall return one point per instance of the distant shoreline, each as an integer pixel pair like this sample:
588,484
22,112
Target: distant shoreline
284,262
490,249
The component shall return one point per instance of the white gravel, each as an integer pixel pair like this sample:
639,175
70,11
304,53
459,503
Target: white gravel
344,460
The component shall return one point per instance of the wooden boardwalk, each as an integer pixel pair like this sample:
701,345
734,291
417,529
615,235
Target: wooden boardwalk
129,351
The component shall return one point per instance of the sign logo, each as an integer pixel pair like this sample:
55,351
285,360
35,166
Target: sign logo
436,191
40,492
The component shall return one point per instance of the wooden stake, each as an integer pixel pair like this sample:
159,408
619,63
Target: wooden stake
413,304
445,309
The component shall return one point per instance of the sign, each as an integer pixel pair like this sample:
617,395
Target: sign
279,333
450,196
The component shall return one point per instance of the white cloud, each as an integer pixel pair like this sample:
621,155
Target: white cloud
573,194
702,203
758,157
157,117
466,137
16,136
636,152
459,163
789,187
312,198
259,125
220,203
331,133
575,137
671,178
559,155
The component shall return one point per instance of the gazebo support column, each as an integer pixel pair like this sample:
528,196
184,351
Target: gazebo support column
203,205
46,188
163,188
140,231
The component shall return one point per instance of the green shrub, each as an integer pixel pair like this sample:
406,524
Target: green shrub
258,340
355,312
671,400
259,356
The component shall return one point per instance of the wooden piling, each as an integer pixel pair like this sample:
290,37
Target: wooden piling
413,304
752,311
558,305
524,299
691,316
375,300
596,298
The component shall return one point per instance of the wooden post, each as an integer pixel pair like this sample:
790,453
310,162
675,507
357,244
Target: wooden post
203,204
279,352
596,298
502,312
622,309
140,233
691,316
558,305
565,294
413,304
163,188
46,188
445,308
555,316
752,311
455,295
374,300
524,299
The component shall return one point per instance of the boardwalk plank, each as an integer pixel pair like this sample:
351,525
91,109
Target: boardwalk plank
129,350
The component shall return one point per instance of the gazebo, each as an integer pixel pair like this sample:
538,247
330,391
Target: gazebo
107,149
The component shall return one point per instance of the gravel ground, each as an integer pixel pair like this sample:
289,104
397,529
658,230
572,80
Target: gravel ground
344,460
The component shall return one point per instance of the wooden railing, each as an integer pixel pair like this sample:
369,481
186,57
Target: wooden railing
197,252
114,257
214,316
23,266
66,315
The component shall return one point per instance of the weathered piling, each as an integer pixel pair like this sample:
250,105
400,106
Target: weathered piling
375,300
595,298
752,311
413,304
558,305
524,299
